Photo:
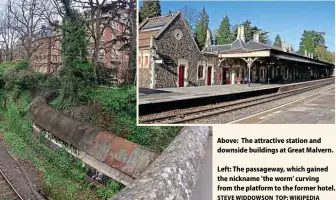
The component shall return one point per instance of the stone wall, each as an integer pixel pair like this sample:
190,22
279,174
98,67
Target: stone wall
104,147
145,77
185,48
173,174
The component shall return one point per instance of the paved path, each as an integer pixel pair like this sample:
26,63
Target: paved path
317,109
172,94
203,188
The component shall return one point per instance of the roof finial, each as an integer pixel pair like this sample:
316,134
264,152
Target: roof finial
238,33
242,35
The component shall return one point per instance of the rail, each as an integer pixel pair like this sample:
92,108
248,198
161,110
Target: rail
198,113
11,187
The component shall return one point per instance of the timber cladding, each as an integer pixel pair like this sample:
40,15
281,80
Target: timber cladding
105,147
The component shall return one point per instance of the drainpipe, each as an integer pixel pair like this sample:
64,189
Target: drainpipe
151,57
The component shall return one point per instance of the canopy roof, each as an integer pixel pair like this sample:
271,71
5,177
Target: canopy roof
254,48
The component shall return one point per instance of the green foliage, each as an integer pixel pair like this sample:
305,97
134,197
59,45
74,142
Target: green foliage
24,65
119,104
107,192
117,99
77,81
77,75
224,35
323,54
150,9
202,28
310,40
277,41
63,178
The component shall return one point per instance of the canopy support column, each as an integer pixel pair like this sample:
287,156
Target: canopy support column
249,62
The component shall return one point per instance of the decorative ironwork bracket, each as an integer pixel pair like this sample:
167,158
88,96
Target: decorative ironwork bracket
220,61
250,61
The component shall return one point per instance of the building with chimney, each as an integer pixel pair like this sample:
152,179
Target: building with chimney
263,63
47,58
168,56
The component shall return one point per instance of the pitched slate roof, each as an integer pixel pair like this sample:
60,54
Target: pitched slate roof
154,27
239,46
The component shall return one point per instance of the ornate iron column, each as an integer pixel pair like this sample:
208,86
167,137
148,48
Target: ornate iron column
249,62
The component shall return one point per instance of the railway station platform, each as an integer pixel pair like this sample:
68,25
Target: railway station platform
160,100
315,109
149,96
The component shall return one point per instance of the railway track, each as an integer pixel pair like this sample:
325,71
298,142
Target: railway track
226,107
7,190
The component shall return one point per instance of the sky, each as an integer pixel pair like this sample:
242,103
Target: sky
287,18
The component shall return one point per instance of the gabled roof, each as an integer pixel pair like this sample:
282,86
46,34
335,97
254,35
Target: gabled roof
153,27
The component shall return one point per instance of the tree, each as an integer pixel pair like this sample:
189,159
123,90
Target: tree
8,36
191,16
323,54
150,8
99,14
224,34
201,29
28,23
310,40
214,37
74,53
277,41
132,5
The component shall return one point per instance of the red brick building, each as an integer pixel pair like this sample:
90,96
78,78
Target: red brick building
48,56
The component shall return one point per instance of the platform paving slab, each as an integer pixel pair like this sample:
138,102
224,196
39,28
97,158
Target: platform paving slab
147,96
317,109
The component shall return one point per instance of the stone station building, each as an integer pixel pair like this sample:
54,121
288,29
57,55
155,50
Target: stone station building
168,56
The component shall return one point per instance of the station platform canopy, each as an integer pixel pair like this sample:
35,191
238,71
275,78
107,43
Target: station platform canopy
255,49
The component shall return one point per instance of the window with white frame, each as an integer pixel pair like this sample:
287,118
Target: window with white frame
146,61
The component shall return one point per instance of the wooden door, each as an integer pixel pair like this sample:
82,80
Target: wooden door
181,76
223,76
209,75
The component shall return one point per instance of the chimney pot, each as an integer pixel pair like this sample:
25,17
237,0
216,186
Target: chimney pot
238,32
256,36
283,46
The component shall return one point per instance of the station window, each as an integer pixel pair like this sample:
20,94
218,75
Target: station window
139,61
146,60
200,71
